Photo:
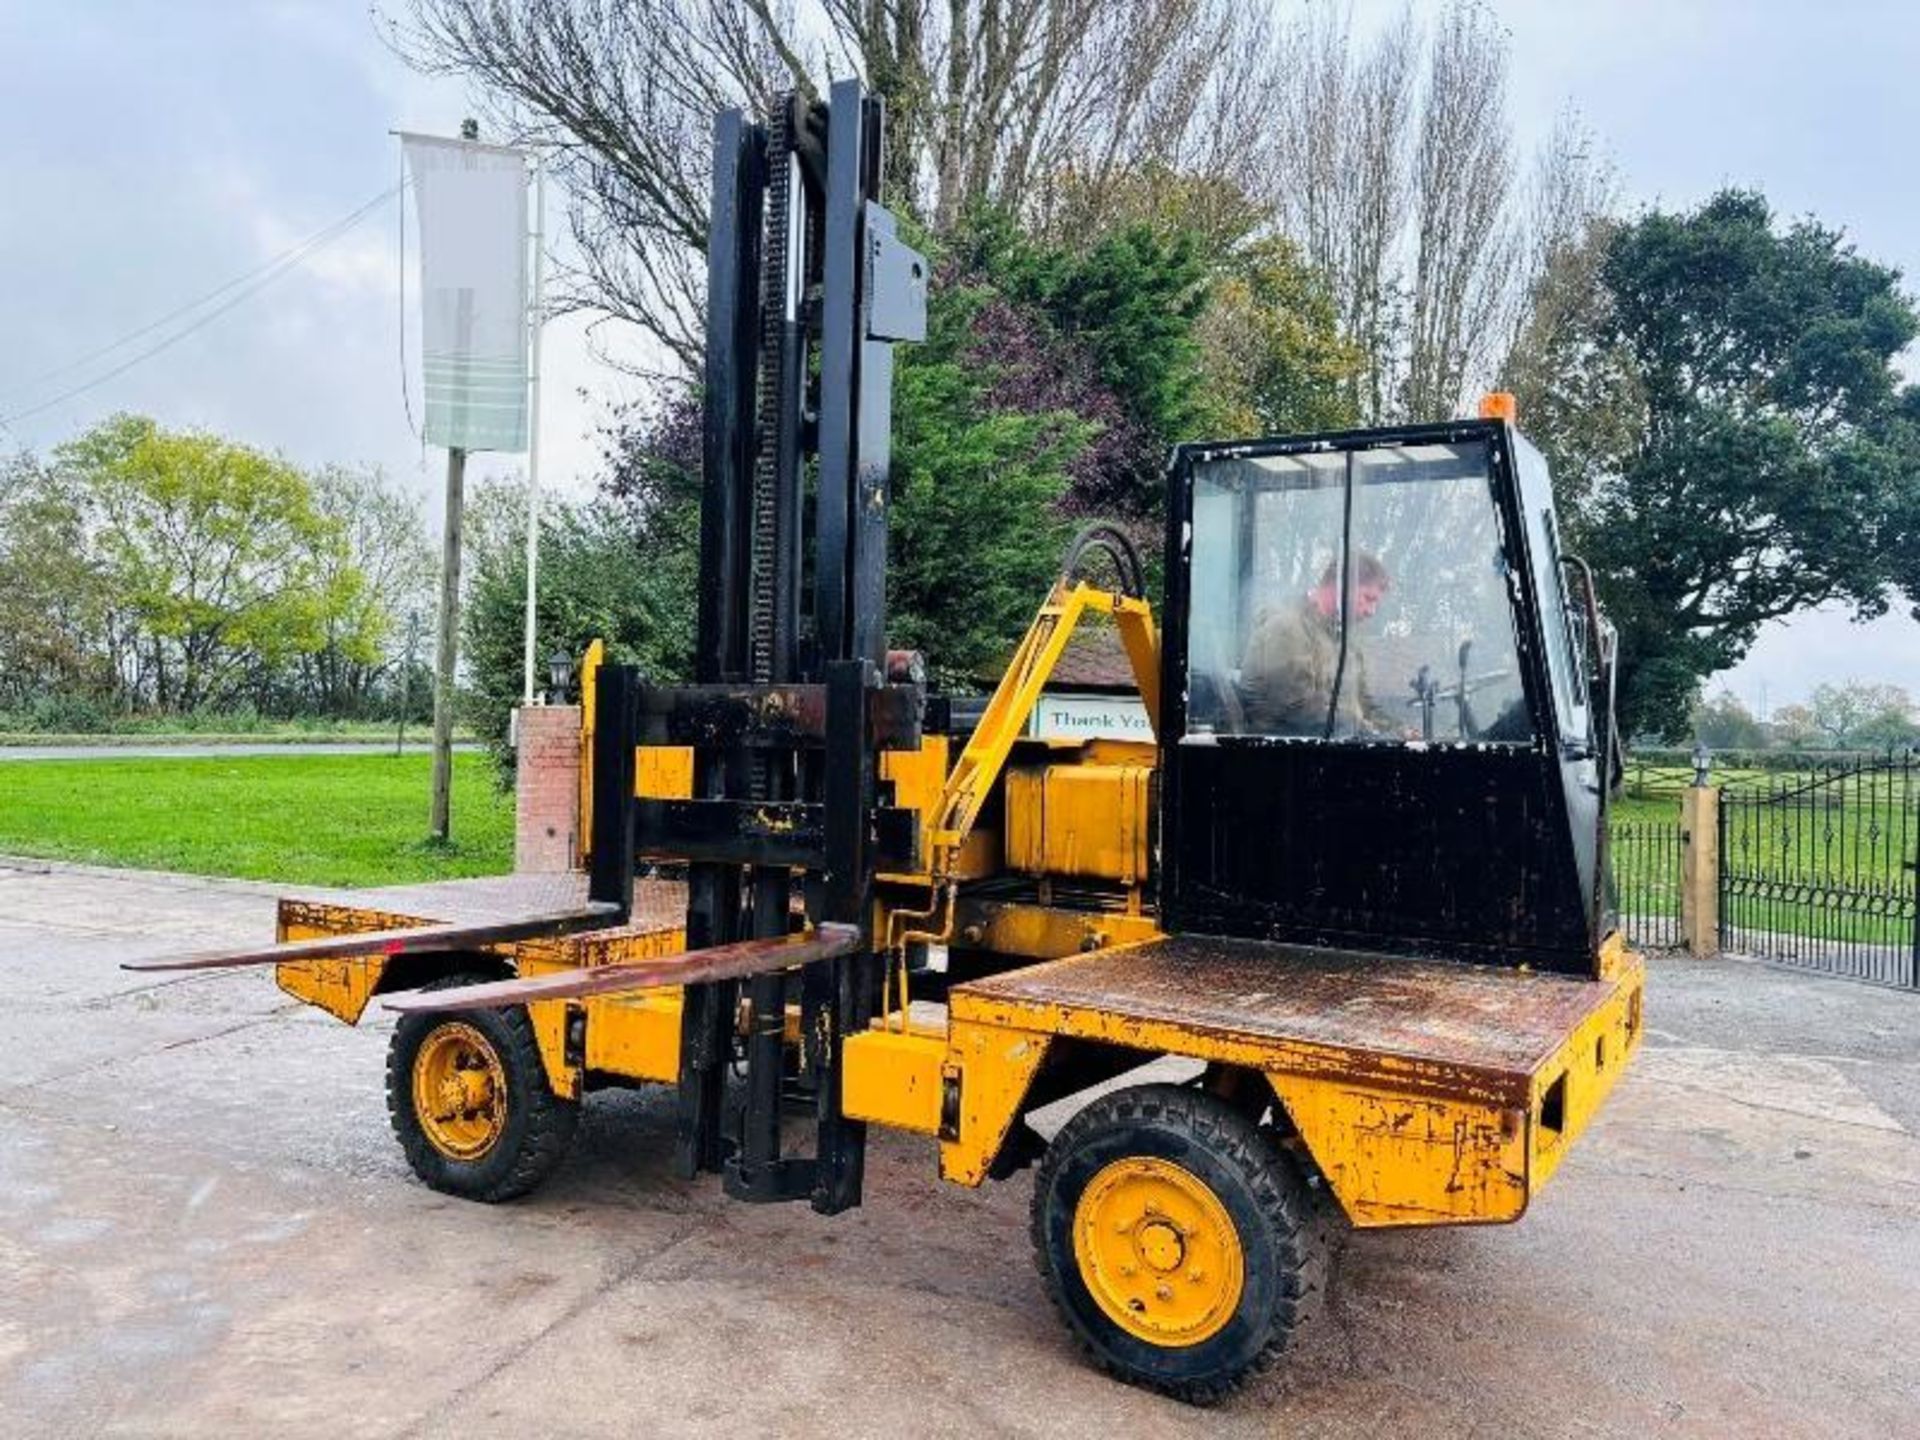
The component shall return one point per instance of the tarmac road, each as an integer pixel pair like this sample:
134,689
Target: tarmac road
206,1229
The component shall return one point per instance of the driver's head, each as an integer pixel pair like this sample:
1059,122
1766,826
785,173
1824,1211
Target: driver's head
1365,574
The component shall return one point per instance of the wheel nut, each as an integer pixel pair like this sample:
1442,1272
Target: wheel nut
1163,1292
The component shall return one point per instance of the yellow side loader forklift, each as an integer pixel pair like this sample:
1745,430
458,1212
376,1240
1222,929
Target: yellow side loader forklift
1360,891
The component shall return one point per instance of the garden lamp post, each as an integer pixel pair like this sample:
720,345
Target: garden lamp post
560,672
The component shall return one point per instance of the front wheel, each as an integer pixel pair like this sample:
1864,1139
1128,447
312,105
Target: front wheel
1174,1240
470,1103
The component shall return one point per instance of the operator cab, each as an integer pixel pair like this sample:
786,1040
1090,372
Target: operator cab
1386,709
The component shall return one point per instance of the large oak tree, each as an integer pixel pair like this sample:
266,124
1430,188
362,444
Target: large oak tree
1730,436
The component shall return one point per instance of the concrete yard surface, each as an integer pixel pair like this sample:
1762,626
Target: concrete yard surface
206,1228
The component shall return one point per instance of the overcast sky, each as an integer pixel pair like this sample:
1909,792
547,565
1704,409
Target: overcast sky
160,148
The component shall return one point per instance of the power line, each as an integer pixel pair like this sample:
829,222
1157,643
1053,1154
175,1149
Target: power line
254,282
171,315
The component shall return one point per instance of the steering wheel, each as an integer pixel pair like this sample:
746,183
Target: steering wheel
1428,692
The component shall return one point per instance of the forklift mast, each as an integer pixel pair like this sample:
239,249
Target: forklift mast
808,289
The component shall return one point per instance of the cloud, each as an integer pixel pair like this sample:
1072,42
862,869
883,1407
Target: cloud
1822,647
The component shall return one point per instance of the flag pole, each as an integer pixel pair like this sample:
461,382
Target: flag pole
535,320
446,648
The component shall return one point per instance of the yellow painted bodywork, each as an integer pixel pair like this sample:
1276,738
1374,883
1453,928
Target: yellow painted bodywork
663,772
1396,1158
632,1037
1585,1070
1004,721
590,664
1615,957
1401,1158
340,987
1045,932
1087,821
993,1064
894,1078
636,1037
917,777
1400,1143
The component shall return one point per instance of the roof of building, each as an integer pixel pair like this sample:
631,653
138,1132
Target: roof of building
1094,662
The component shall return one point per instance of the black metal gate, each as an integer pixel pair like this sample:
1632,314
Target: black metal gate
1818,867
1645,856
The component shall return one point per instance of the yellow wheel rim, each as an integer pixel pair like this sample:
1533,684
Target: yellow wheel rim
459,1091
1158,1251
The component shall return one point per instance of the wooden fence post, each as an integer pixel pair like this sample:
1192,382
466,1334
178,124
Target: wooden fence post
1700,866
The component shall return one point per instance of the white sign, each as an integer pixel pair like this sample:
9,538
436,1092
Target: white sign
1090,717
472,204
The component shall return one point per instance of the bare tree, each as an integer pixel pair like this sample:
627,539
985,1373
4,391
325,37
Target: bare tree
1022,103
1342,176
1465,240
1396,174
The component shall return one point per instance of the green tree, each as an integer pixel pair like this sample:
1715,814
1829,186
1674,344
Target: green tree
1861,716
1131,301
383,570
1756,455
1724,723
56,619
1270,347
601,577
1792,727
975,536
211,553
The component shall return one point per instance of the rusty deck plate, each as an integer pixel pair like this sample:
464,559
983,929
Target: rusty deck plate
1500,1025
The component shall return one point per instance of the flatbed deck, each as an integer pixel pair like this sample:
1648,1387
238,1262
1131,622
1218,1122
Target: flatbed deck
1471,1029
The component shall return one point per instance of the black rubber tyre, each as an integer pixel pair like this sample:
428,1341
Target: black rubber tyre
1263,1195
538,1126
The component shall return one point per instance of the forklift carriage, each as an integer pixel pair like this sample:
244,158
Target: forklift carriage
1356,881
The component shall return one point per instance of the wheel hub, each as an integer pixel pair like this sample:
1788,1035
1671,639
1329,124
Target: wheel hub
459,1091
1160,1245
1158,1251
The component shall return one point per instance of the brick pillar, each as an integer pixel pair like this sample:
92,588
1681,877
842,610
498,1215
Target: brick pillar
547,789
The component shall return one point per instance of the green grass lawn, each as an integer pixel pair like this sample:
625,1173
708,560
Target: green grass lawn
348,820
1644,850
355,820
214,730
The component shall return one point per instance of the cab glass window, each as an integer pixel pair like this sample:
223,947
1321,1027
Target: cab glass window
1564,628
1352,596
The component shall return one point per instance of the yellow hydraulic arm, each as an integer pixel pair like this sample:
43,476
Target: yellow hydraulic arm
1013,700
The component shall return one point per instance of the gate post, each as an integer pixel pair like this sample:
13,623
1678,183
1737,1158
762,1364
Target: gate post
1700,860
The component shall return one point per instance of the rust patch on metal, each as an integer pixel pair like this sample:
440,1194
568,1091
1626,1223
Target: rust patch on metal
693,967
1356,1014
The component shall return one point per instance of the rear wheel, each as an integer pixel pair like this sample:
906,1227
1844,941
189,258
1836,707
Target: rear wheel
1174,1240
470,1103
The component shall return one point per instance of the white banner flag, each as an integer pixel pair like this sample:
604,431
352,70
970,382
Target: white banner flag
472,204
